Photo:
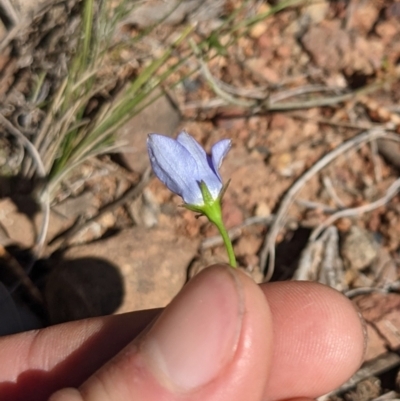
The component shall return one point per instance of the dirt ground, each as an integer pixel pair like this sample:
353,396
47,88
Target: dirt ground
309,98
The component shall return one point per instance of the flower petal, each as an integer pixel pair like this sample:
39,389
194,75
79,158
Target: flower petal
195,149
175,167
218,152
207,172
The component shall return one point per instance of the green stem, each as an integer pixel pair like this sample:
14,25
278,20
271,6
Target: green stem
212,210
227,241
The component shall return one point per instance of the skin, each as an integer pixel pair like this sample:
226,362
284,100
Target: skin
223,338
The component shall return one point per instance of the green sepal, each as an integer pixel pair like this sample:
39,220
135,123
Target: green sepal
212,210
207,197
211,207
194,208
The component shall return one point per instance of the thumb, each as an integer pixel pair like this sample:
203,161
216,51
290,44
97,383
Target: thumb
213,342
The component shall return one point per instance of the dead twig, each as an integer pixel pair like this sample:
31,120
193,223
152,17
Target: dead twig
22,276
356,211
302,90
340,124
130,194
375,161
332,193
236,231
315,205
394,286
270,103
9,11
28,144
215,85
375,367
268,249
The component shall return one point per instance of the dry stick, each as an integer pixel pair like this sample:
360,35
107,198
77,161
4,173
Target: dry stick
22,276
235,231
375,161
211,80
394,286
130,194
316,205
355,211
376,367
329,267
268,249
10,12
340,124
272,104
332,192
28,145
302,90
263,93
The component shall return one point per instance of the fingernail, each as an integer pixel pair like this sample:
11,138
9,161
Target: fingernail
197,335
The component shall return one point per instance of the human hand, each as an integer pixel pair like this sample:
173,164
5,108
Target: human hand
223,338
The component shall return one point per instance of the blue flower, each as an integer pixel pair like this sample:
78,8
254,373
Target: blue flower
183,165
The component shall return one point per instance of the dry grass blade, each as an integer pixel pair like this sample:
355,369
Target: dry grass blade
356,211
268,248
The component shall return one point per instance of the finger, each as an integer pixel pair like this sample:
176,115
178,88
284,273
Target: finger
213,342
319,341
41,362
65,355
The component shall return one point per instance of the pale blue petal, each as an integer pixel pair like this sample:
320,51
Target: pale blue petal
175,167
213,182
218,152
195,149
182,164
207,173
214,185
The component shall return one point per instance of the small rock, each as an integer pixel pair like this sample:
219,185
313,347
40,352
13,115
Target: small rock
161,117
325,43
387,30
316,12
262,210
375,305
384,268
258,29
335,49
363,17
259,69
248,245
279,121
83,204
145,210
284,164
375,345
358,249
366,390
173,12
389,329
135,269
18,226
